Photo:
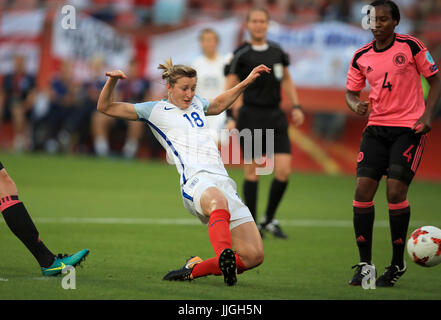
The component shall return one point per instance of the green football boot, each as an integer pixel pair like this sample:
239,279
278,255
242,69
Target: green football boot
63,261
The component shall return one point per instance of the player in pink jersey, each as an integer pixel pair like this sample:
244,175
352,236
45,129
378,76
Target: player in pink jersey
393,141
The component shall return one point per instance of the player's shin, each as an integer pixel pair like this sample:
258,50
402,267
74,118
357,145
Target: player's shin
364,214
219,230
20,223
399,216
277,191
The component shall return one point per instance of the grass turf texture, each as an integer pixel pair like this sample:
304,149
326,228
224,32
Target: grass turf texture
129,259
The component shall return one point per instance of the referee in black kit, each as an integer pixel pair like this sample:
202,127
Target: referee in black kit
260,109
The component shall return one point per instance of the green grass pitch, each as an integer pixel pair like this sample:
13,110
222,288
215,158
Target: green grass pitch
131,217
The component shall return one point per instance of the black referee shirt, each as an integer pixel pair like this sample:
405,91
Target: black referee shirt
265,91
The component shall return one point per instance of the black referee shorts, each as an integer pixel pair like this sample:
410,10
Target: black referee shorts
254,118
392,151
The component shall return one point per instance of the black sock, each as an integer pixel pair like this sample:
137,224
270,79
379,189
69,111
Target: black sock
250,196
1,166
276,193
20,223
363,227
399,222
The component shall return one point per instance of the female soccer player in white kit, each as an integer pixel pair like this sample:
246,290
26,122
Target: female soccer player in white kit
179,123
211,79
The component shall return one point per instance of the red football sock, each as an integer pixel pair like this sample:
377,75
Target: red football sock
211,267
206,268
219,231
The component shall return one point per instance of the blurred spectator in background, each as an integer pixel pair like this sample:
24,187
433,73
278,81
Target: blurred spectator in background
64,99
336,10
169,12
134,89
104,11
211,79
40,110
144,11
61,111
16,96
92,90
329,125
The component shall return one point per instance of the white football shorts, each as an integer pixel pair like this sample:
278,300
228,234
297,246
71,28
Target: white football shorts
193,189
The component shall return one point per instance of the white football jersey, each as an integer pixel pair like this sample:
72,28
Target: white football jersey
184,134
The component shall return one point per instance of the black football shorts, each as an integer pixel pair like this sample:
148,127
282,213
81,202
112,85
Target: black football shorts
257,120
392,151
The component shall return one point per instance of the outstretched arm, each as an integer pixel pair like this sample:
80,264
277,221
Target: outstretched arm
232,80
106,104
226,99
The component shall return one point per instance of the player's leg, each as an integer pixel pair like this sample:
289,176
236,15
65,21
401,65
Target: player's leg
363,222
210,198
282,171
364,214
399,217
245,238
19,221
214,206
249,253
246,122
406,154
372,162
248,245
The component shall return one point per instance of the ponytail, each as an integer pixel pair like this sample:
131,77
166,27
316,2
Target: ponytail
172,73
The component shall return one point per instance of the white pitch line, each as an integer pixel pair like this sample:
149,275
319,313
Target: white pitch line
165,221
194,221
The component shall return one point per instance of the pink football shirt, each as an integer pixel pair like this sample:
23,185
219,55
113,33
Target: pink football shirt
393,73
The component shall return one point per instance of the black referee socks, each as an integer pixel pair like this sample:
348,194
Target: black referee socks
250,196
275,196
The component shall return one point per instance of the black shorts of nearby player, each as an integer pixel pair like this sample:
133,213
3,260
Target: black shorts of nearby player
253,118
392,151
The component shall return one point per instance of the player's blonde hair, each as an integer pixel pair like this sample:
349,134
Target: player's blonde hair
172,73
